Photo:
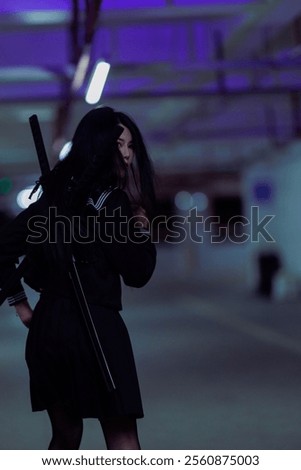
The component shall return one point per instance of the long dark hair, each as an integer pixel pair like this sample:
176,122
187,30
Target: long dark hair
94,161
142,171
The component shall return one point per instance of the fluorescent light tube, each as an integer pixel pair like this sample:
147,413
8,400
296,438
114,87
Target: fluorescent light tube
97,82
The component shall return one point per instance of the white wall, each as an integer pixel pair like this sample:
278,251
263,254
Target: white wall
283,172
238,263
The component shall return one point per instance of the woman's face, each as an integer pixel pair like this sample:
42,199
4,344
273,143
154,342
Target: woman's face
125,145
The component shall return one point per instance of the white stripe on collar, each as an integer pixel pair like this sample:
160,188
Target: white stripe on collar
101,200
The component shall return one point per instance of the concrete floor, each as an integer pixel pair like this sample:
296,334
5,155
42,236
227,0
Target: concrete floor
218,367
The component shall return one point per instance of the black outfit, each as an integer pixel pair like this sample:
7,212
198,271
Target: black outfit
60,358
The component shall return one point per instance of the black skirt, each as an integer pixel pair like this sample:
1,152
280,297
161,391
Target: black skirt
63,368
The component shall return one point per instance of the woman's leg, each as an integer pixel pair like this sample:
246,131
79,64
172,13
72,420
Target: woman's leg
121,434
67,429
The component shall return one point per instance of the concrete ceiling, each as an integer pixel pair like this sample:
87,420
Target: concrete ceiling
213,85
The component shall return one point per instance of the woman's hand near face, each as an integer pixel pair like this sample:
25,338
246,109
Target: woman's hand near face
141,217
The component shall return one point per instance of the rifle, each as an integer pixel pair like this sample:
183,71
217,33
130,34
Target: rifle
72,269
45,169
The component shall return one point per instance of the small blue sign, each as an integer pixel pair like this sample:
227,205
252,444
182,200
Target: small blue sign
263,191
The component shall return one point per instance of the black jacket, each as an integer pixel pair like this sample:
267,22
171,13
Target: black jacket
106,244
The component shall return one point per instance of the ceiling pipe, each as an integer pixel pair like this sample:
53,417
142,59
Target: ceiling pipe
296,113
32,20
219,56
80,56
184,93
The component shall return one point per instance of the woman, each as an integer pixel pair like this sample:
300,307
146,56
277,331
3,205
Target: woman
85,212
